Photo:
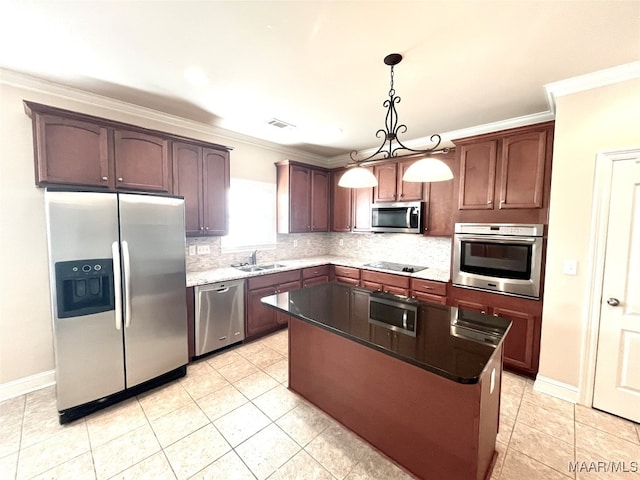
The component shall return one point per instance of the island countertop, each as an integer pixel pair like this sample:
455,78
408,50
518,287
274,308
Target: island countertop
453,343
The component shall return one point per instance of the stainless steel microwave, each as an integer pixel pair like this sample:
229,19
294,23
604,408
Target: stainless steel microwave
397,217
501,258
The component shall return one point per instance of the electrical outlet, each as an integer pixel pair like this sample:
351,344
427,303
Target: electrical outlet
192,250
295,243
308,243
570,267
359,243
203,249
341,242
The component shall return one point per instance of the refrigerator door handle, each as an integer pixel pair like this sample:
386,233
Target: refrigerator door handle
117,283
127,283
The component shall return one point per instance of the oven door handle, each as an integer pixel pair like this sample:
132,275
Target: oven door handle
498,239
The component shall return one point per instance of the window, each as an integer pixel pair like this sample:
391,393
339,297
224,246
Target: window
252,216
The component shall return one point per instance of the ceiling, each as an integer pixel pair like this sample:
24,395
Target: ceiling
319,65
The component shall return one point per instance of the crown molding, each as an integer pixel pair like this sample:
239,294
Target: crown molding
34,84
600,78
448,137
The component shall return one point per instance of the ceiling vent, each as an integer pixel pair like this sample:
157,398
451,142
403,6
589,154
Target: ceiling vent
274,122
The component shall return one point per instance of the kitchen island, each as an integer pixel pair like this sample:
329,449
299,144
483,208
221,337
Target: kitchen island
419,381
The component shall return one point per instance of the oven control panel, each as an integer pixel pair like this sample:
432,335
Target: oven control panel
520,230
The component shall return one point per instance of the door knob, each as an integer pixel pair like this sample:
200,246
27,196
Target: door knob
614,302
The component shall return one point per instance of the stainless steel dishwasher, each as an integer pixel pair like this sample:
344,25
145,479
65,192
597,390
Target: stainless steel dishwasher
219,315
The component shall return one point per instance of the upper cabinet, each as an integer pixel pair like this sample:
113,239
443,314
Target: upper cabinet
505,176
141,161
390,187
440,200
350,207
201,176
76,149
303,198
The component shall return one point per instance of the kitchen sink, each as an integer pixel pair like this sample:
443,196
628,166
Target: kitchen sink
259,268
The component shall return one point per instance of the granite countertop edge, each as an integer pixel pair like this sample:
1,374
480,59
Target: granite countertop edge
229,273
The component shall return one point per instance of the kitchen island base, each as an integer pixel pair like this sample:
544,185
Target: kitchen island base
434,427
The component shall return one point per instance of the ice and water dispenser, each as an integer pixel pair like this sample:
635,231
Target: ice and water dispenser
84,287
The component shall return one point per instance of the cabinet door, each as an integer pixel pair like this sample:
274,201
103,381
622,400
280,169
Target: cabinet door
405,345
260,318
187,181
283,318
310,282
372,285
362,209
408,191
71,152
440,206
396,290
386,191
340,204
299,199
381,336
215,181
477,175
142,161
518,346
522,170
319,201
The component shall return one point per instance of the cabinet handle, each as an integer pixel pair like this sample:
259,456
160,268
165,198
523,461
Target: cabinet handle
501,201
206,228
104,179
201,228
401,195
482,311
120,179
426,287
489,202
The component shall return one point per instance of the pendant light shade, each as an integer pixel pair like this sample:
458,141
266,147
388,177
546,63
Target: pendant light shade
358,177
428,170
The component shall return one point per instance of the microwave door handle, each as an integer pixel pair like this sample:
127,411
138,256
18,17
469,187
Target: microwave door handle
404,319
408,217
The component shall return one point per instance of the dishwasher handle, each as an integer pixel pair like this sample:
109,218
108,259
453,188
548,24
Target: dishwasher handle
222,290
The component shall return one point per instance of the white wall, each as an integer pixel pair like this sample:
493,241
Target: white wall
586,122
25,321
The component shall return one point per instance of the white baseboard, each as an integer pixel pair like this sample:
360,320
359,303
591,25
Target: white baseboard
27,384
556,389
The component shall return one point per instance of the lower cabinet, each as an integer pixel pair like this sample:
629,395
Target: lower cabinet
350,275
385,282
261,319
522,344
315,275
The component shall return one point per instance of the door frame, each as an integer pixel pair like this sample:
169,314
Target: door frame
595,267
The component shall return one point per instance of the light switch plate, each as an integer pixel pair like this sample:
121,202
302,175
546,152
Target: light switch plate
192,250
570,267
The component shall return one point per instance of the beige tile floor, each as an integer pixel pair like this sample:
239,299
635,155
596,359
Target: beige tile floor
232,417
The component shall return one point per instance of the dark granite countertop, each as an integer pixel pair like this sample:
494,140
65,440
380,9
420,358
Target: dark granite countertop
453,343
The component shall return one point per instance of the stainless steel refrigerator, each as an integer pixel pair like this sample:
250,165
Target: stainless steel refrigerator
118,295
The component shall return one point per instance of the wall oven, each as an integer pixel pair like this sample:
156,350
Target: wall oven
398,217
501,258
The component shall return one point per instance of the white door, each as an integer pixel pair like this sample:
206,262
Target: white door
617,381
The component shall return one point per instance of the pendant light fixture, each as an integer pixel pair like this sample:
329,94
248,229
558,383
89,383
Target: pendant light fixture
424,170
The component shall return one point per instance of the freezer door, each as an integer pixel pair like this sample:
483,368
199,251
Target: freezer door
153,256
88,348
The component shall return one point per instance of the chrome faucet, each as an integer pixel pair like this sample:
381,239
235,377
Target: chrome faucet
252,258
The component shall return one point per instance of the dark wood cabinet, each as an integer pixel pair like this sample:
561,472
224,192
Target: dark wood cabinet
440,198
385,282
429,291
71,152
391,187
315,275
522,344
141,161
261,319
506,176
350,207
201,176
350,275
303,198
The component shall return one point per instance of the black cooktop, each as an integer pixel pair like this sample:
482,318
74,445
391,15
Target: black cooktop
396,267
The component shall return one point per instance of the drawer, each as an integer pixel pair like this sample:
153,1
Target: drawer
386,278
427,297
320,271
348,272
273,279
350,281
429,286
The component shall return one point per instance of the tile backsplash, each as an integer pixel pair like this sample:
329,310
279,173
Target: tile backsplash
391,247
